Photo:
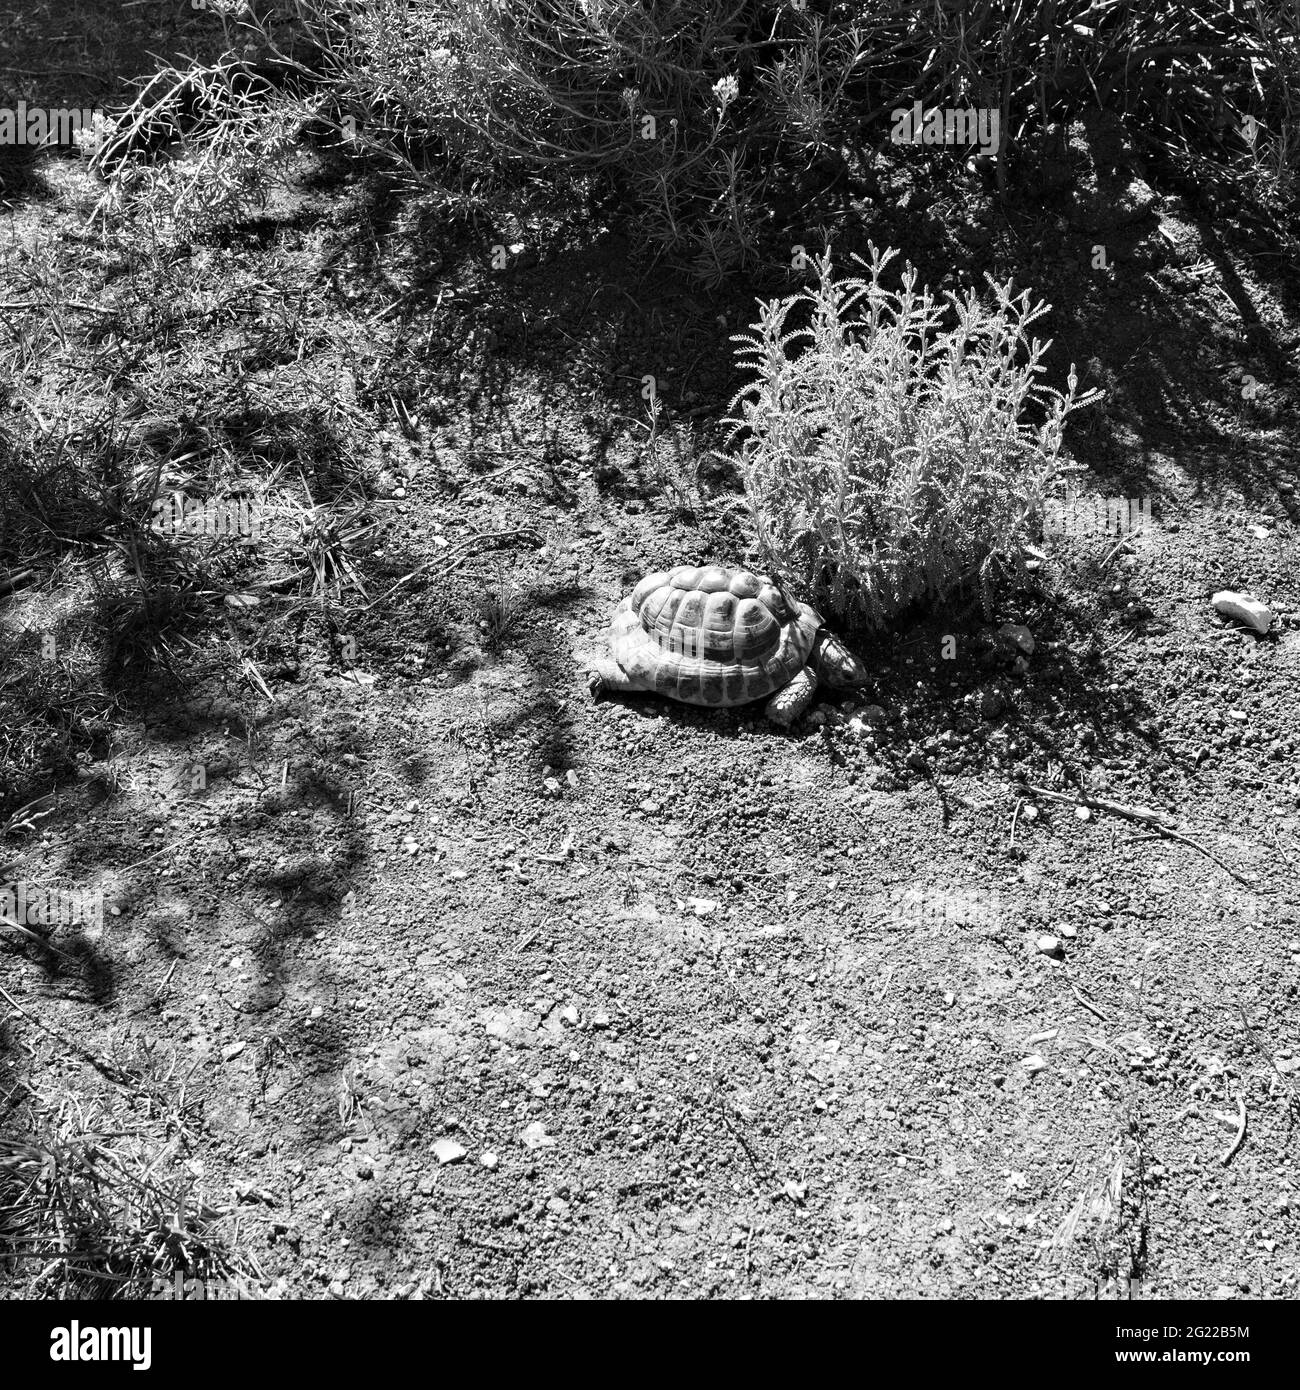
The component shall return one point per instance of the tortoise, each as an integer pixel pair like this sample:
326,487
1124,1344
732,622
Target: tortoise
716,636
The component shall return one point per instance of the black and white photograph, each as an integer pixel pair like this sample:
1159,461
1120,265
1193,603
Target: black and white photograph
650,652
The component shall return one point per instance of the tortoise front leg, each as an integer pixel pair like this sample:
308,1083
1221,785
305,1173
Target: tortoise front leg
791,700
609,678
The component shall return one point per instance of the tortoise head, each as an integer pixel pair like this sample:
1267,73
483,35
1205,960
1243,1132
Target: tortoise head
834,663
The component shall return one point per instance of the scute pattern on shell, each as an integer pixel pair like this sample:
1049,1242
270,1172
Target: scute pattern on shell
710,635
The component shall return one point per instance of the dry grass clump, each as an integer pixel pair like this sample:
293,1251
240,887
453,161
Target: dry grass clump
103,1201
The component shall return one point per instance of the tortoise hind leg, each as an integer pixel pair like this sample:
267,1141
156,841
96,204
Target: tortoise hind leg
608,678
791,700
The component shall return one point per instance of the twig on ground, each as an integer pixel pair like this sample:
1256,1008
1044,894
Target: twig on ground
764,1178
101,1064
12,581
1277,840
1142,815
39,940
1264,1051
160,994
20,820
164,850
254,678
522,532
1092,1008
62,304
58,72
933,779
489,1245
1114,550
1241,1133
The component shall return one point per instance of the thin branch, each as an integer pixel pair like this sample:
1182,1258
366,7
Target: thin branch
1241,1133
59,72
102,1065
522,532
1143,816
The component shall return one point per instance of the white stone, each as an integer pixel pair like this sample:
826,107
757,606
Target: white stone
1243,608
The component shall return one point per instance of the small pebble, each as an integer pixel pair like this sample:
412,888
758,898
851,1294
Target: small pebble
1048,945
1033,1063
490,1161
536,1137
1068,931
649,807
1019,636
1244,609
448,1151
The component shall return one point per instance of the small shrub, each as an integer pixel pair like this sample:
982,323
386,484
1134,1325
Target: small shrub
888,460
702,117
673,462
686,107
235,137
501,611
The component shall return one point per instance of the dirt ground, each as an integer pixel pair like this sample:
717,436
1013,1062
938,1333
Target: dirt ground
486,989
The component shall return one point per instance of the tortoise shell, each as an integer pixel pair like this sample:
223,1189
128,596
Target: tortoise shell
711,635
